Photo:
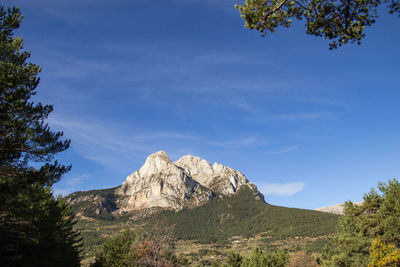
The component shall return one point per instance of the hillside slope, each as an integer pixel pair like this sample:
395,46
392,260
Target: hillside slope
240,216
244,215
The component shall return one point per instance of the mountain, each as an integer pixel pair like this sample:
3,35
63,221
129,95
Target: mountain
238,221
206,203
162,184
336,209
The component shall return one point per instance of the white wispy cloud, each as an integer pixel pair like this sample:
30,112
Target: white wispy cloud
81,69
222,58
244,105
116,145
225,5
167,135
297,116
248,141
282,151
70,184
76,180
61,192
281,189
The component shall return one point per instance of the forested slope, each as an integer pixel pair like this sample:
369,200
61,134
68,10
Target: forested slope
243,215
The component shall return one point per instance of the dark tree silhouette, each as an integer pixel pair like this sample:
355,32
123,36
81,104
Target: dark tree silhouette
35,228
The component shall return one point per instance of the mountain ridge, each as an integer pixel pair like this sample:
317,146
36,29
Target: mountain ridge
162,184
336,208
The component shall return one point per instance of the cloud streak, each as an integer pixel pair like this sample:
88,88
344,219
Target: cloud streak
281,189
249,141
113,145
283,151
77,180
117,145
298,116
70,184
225,5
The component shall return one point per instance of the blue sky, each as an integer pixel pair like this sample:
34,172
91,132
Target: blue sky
310,127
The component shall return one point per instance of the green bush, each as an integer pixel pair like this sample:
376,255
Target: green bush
121,250
377,217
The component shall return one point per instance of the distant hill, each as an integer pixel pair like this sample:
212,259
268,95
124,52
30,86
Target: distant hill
335,209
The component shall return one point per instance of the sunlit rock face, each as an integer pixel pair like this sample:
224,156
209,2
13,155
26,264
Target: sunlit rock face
187,182
161,183
216,177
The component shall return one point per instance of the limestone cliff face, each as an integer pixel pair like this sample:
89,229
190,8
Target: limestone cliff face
216,177
161,183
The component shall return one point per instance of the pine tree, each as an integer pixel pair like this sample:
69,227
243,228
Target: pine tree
377,217
234,259
340,21
35,228
260,258
150,246
120,250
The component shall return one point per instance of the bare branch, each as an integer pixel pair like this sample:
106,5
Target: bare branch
276,8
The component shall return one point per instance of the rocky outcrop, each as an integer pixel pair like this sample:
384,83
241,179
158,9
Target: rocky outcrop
163,184
336,209
216,177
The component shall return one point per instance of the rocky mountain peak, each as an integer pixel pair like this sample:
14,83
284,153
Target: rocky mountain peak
187,182
154,164
160,154
216,177
199,169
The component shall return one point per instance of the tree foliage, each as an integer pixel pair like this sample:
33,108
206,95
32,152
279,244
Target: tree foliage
340,21
35,228
377,217
234,259
260,258
157,246
146,246
121,250
384,254
301,259
24,135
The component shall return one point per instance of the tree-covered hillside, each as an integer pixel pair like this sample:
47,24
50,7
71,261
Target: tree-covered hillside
244,215
241,215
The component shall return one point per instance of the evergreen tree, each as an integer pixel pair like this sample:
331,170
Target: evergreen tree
259,258
377,217
35,228
120,250
149,246
234,259
340,21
